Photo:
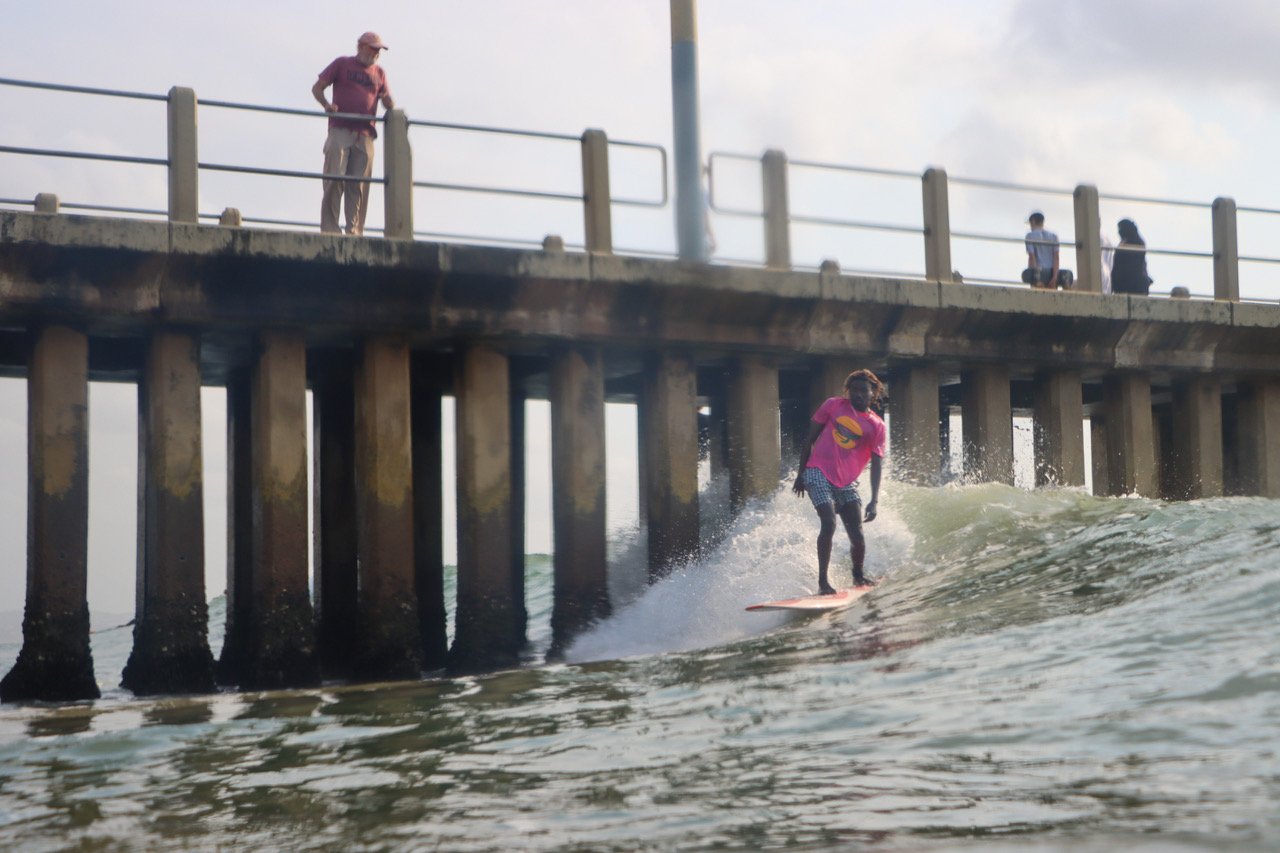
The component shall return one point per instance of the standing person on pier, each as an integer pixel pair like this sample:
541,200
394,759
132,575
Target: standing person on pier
358,85
844,435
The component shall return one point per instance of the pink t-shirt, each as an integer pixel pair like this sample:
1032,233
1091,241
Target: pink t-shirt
357,88
846,443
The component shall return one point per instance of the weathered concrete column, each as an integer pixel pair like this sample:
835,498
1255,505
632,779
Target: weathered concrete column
1259,437
429,380
1197,439
1099,455
914,435
578,493
1131,463
488,625
237,638
670,435
184,171
55,663
777,211
517,439
937,225
597,201
754,449
1058,429
987,423
1088,240
390,646
826,380
170,634
1226,253
335,583
281,651
397,172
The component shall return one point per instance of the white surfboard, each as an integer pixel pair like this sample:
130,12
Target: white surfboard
834,601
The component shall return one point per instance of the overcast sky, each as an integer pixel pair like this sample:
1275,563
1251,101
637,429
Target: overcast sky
1172,99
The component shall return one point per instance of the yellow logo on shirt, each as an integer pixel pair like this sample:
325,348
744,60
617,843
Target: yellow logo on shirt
847,432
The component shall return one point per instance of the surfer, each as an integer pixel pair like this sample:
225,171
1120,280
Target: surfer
844,435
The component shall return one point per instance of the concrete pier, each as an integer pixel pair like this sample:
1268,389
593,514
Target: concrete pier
1058,426
429,380
55,663
581,584
1196,461
1130,454
669,435
490,629
754,443
987,424
170,634
390,642
914,435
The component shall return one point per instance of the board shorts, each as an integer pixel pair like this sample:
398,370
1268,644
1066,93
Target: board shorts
822,492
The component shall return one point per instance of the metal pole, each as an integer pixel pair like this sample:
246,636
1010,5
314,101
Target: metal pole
690,230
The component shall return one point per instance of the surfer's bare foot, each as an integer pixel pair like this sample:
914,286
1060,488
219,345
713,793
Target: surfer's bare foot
826,589
862,581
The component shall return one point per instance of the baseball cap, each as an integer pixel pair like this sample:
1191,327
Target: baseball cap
373,40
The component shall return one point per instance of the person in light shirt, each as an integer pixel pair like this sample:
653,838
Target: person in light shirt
358,85
844,436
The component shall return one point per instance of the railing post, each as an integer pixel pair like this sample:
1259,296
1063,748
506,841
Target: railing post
231,217
184,177
46,203
596,201
397,188
777,211
1226,252
937,226
1088,239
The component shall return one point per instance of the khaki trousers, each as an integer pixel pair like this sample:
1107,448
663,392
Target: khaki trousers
346,152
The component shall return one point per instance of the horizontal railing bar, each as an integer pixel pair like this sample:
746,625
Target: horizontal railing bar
288,173
1139,199
1270,210
509,131
291,111
988,184
80,155
849,223
1004,238
861,170
432,185
25,201
112,208
1258,260
82,90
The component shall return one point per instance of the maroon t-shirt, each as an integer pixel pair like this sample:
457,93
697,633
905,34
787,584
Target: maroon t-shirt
357,88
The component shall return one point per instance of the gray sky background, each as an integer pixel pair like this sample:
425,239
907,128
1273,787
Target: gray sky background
1171,99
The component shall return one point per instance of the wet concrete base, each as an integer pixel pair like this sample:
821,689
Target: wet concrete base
55,664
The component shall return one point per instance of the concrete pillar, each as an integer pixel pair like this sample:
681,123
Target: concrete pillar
390,646
1259,437
1232,479
690,233
1058,429
488,626
55,663
516,436
777,211
670,435
1131,463
596,202
987,423
1226,253
581,593
429,380
718,430
1197,439
46,203
184,171
826,380
335,583
937,225
1162,449
397,172
1099,455
281,651
915,436
1088,240
170,634
754,448
238,638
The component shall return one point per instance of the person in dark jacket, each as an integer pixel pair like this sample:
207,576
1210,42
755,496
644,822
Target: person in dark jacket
1129,268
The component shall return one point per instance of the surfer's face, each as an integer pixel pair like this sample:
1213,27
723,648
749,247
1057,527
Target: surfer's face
860,394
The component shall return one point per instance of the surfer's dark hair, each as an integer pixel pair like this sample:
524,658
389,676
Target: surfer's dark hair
878,393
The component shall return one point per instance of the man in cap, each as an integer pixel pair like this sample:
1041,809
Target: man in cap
358,84
1042,257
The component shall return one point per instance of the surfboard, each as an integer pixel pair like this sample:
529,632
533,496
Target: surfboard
815,603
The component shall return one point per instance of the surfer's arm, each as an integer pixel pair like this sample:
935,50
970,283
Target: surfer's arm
875,489
815,430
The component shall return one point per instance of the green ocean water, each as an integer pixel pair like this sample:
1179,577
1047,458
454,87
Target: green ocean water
1039,670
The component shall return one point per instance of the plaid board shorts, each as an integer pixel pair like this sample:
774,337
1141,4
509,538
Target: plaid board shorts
822,492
